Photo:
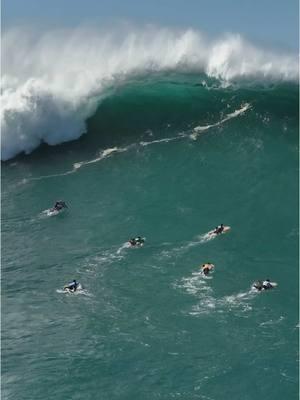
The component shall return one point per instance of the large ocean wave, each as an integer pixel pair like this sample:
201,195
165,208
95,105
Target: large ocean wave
53,83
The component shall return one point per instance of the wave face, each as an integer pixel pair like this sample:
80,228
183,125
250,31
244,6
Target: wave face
51,86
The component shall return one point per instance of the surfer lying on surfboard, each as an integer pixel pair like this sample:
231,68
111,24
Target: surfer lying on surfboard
59,205
71,287
219,229
138,241
206,268
263,285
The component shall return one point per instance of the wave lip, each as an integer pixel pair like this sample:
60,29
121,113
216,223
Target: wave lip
48,91
32,114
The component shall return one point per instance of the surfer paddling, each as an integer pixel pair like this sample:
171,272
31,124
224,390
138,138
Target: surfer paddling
138,241
263,285
71,287
59,205
206,268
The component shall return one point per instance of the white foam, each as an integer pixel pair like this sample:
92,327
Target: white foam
164,140
272,322
50,212
48,90
229,116
76,166
198,285
124,246
103,154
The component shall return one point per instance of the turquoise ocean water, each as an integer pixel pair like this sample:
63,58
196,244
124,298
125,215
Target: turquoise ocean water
167,157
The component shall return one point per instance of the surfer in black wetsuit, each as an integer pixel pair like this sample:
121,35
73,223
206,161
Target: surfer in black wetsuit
59,205
267,284
72,287
219,229
136,241
263,285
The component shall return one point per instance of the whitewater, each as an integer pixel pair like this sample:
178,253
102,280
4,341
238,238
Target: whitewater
52,83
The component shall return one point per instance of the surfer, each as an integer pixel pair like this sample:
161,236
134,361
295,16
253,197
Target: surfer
138,241
267,284
263,285
72,287
219,229
59,205
206,268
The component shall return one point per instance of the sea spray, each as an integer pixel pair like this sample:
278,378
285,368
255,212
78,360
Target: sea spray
49,90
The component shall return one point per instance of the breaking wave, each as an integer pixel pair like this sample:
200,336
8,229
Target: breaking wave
51,86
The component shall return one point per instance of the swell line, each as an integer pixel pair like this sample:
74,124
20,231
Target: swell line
229,116
114,150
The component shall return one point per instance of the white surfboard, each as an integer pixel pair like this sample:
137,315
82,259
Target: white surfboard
67,290
274,284
213,233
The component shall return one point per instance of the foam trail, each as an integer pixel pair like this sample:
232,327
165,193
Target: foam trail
165,140
49,213
107,152
124,246
206,237
239,302
104,154
272,322
110,151
178,251
49,91
195,285
107,257
234,114
39,178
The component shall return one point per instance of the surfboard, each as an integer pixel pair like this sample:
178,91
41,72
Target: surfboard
67,290
213,233
274,284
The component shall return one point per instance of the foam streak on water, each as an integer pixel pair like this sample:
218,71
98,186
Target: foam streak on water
234,114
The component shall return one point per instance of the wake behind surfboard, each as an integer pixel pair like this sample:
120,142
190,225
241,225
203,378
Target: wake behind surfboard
51,212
